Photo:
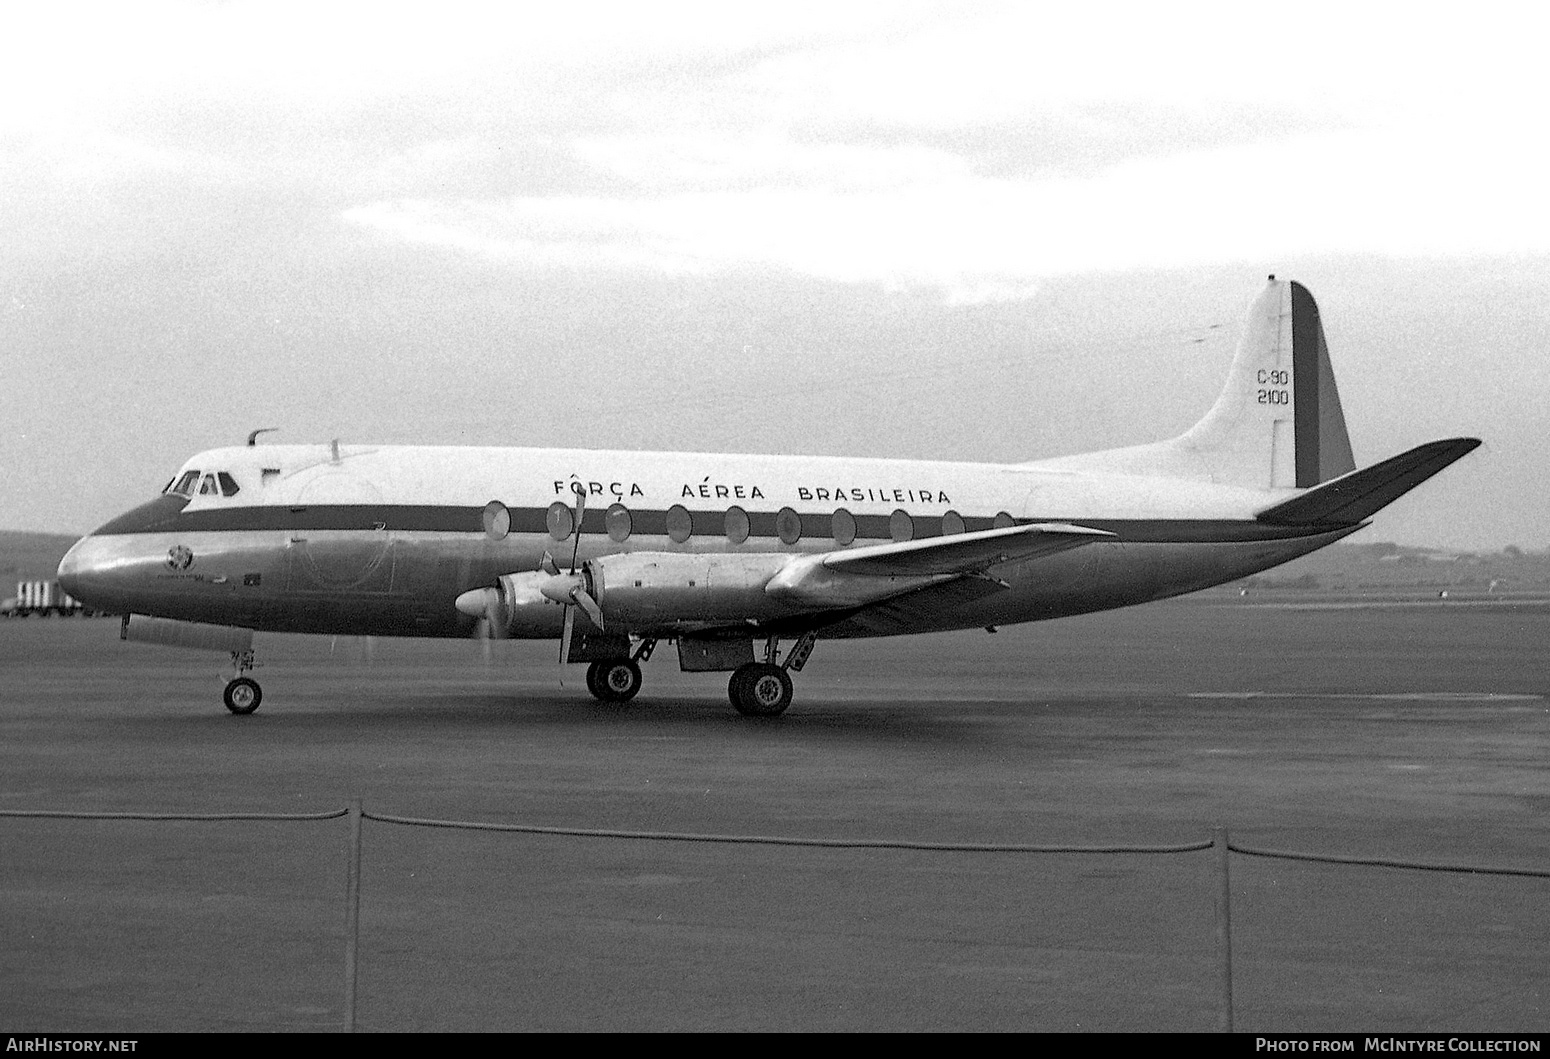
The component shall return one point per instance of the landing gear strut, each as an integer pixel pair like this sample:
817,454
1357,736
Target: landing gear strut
242,694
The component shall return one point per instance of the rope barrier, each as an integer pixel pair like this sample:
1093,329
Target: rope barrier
1219,841
780,840
1386,862
61,814
785,840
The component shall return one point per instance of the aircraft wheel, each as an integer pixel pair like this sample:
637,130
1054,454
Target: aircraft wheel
243,695
760,690
616,680
735,686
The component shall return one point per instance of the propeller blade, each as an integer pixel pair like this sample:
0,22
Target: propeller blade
588,604
565,634
581,509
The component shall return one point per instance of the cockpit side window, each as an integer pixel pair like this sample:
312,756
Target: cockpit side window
229,484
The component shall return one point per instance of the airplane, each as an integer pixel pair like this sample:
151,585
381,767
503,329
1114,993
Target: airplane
726,555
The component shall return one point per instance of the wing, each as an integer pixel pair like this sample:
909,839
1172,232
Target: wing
860,576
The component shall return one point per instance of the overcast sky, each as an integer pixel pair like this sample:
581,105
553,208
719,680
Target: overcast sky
960,231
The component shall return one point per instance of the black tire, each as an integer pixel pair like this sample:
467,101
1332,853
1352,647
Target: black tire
760,690
616,680
242,695
735,684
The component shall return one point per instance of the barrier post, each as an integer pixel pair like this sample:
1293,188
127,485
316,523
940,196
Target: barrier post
352,916
1224,926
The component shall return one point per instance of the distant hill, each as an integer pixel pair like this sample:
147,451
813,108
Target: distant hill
30,557
1383,567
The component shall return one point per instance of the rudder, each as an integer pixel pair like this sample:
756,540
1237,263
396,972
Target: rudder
1323,446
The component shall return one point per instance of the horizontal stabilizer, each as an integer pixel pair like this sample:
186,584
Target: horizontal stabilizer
1355,497
961,553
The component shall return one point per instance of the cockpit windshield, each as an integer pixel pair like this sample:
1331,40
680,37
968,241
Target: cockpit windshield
212,483
183,486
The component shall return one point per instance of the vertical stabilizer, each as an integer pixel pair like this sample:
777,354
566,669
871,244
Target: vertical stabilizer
1278,422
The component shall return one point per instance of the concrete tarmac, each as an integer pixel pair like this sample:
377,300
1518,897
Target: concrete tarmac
1412,732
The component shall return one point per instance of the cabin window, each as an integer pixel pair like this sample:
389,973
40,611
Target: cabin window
679,525
844,526
952,522
560,521
900,526
737,524
497,520
229,484
788,525
618,522
1002,521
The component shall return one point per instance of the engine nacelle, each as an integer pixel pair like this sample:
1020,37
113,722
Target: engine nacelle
649,588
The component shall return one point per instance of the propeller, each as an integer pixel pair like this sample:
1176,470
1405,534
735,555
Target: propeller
493,606
571,589
489,606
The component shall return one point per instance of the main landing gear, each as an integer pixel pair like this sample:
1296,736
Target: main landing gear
242,694
763,689
760,689
756,689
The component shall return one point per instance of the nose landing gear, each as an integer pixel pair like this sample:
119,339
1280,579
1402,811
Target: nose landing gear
242,694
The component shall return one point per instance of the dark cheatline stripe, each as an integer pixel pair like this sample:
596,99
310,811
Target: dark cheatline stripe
163,516
1307,351
156,516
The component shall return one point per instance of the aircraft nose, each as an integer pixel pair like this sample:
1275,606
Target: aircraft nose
86,572
70,569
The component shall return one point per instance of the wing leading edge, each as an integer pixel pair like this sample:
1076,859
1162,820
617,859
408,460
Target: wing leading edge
859,576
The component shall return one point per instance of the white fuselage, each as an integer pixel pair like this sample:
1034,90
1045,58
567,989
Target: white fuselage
383,539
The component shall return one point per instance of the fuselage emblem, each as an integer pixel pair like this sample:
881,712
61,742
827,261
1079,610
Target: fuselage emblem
179,558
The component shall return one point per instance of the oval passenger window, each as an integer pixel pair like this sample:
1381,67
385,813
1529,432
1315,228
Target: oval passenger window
560,520
618,522
900,526
952,522
497,520
1002,521
737,524
844,526
679,525
788,525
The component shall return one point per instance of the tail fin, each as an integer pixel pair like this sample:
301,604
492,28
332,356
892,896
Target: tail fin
1278,422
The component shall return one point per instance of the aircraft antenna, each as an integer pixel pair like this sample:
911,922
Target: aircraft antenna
253,437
